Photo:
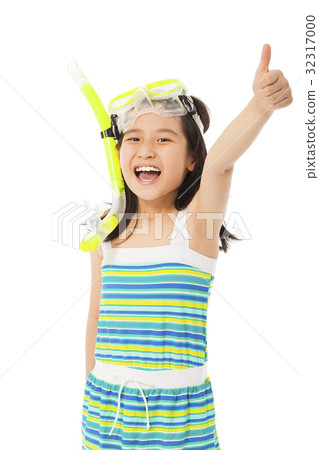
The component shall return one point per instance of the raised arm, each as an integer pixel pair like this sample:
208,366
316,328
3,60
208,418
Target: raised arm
271,92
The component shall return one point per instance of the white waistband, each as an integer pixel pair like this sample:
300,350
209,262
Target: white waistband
171,378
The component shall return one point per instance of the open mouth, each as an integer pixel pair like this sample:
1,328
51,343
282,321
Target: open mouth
147,176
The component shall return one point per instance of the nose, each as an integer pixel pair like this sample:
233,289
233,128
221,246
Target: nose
146,149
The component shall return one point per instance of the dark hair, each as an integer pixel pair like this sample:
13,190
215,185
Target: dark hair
197,147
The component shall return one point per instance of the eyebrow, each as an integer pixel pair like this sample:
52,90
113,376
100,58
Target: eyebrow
167,130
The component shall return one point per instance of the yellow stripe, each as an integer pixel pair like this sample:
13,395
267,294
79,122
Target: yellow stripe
151,350
143,365
153,319
90,446
161,413
168,430
154,414
171,271
183,303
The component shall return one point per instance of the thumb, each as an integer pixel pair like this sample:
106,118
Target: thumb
264,59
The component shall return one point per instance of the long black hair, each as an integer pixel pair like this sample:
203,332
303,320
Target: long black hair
191,183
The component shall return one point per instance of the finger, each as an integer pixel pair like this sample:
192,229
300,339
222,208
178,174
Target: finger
281,99
284,98
270,78
272,90
276,98
264,59
284,102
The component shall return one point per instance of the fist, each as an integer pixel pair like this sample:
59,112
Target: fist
271,88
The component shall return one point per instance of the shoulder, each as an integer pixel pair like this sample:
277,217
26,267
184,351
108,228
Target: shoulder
100,250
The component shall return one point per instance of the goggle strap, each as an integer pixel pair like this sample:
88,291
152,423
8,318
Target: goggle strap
107,133
113,131
189,106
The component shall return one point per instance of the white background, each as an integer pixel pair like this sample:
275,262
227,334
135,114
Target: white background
263,314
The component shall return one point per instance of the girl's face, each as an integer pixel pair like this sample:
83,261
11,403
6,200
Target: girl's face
146,144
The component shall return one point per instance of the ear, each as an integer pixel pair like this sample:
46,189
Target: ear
191,165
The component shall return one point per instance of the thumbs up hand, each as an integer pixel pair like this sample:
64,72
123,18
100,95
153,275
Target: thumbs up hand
271,88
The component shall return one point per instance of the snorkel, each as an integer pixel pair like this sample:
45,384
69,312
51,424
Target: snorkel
92,240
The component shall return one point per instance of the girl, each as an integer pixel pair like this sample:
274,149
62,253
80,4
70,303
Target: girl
147,385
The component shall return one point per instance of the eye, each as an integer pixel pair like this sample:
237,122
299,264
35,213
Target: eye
130,139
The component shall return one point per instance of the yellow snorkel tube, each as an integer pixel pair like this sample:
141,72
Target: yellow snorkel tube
93,239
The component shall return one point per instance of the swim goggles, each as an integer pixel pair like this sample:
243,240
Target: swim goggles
167,97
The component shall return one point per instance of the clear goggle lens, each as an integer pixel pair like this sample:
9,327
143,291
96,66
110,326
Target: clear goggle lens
162,90
161,98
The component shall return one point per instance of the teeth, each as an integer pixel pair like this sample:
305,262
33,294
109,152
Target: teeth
148,168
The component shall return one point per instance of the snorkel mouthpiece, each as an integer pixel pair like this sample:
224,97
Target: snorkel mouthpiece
93,239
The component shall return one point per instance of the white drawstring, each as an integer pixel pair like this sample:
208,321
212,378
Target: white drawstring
119,397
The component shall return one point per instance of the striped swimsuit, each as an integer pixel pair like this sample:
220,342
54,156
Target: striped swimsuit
153,316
